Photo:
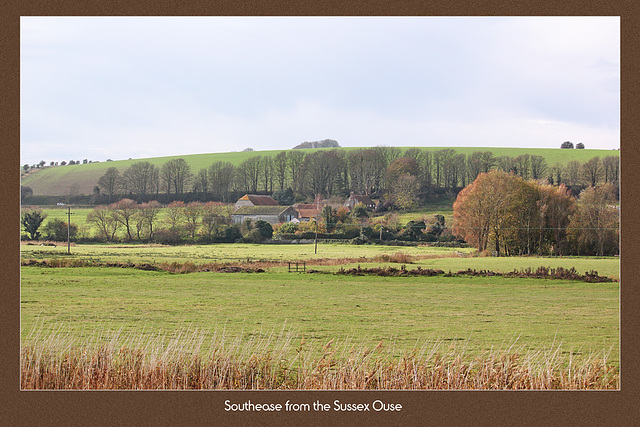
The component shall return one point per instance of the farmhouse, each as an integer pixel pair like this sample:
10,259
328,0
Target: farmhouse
270,214
307,211
355,199
255,200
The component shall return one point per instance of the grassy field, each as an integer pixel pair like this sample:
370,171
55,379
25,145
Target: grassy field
332,330
343,255
473,313
226,252
58,180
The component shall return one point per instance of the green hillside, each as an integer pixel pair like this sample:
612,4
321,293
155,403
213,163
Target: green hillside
59,180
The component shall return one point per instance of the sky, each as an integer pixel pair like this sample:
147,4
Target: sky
102,88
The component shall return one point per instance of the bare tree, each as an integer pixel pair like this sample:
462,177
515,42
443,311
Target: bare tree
174,216
201,182
556,175
248,174
506,164
141,178
388,154
474,165
148,214
267,174
443,167
280,169
522,165
192,214
595,225
573,172
367,169
214,214
538,167
611,166
455,171
104,218
110,183
221,177
295,159
124,211
176,174
323,169
592,172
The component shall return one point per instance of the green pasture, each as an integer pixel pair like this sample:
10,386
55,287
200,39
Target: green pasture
78,215
447,259
59,180
225,252
471,313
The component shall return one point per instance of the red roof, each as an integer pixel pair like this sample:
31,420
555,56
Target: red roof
258,200
307,213
362,199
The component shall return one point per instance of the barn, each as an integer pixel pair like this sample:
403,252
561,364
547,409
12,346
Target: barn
255,200
270,214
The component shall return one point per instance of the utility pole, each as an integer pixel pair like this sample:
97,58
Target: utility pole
315,249
69,229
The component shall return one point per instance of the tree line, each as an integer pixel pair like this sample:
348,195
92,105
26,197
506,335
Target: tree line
389,173
505,214
498,212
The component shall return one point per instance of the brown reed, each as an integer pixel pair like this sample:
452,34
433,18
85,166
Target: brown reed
193,360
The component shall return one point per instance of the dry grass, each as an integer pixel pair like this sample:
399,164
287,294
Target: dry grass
191,360
46,243
190,267
398,257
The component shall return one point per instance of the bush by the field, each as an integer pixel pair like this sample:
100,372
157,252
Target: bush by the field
539,273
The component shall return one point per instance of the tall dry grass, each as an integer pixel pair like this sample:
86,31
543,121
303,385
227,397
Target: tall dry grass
397,257
280,361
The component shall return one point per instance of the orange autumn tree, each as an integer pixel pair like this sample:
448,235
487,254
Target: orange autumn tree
505,213
483,209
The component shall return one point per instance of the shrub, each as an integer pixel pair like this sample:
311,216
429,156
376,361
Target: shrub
428,237
253,236
360,240
167,237
264,228
412,231
56,229
228,234
287,228
446,237
31,221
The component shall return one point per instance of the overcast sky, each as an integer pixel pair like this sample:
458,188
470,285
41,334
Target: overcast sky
119,88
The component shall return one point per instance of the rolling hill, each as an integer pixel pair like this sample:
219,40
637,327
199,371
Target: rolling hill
60,180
